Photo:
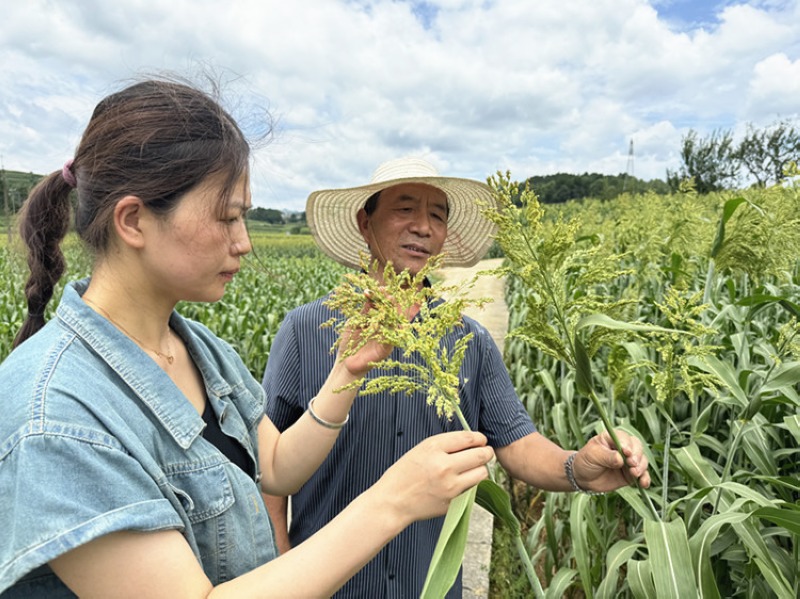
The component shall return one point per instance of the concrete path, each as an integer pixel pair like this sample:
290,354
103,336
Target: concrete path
494,316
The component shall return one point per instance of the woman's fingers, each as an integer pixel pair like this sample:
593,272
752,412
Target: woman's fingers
437,470
466,457
456,441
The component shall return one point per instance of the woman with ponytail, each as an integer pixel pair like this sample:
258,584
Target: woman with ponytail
133,445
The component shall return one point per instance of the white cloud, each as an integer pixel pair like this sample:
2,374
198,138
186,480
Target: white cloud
774,89
477,86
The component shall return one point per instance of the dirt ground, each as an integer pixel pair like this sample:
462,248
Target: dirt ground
494,316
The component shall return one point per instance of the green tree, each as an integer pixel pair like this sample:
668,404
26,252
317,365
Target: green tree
709,161
764,153
267,215
297,217
562,187
15,187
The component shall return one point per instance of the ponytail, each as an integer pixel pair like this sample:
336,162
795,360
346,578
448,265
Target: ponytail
155,140
44,221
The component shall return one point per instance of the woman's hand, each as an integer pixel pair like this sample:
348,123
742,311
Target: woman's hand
376,348
361,362
421,484
599,466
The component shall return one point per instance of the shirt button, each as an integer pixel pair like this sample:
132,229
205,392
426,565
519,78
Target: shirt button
399,433
391,576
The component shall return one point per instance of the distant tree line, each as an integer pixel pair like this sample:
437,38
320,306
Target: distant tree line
717,162
276,217
15,187
561,187
714,162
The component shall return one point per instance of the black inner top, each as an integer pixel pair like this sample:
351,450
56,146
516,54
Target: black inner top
231,448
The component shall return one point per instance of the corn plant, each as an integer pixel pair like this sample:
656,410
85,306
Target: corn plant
282,273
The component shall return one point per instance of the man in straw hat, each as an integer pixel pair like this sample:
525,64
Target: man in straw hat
407,213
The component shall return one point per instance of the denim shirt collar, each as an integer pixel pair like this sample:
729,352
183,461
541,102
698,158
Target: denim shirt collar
142,375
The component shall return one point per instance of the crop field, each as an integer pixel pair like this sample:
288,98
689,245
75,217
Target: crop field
715,394
284,271
713,388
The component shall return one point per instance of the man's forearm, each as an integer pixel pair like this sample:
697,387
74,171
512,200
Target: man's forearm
537,461
278,512
599,466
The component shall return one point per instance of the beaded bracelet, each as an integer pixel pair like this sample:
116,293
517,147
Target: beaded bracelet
322,421
571,476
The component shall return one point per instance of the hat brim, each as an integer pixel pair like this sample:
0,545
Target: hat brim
331,216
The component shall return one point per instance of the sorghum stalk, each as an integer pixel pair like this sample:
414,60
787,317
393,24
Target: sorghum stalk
536,585
589,391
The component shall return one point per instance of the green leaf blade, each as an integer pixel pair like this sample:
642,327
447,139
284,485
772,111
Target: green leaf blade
671,565
449,552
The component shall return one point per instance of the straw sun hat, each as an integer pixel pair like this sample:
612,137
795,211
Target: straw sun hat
331,213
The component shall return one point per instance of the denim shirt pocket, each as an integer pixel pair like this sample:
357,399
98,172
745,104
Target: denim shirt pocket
206,495
203,491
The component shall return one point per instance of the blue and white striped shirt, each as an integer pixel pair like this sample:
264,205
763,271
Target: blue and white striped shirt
382,428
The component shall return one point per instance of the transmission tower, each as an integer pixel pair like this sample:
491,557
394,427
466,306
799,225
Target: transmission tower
628,169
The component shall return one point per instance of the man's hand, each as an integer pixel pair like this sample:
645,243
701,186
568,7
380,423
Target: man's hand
599,466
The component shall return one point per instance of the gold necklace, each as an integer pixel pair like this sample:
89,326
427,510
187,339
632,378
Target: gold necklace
168,357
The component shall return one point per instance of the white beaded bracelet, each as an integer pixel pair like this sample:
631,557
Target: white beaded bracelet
571,476
322,421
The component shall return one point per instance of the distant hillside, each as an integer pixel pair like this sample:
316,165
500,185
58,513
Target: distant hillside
550,189
561,187
15,187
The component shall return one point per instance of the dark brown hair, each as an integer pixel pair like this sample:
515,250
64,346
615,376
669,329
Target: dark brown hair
372,203
156,139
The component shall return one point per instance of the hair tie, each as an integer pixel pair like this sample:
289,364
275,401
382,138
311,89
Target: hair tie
67,175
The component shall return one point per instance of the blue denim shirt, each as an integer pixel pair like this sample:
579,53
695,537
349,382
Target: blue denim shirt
96,438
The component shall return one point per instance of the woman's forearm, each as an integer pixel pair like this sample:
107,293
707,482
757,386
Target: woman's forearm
418,486
289,459
354,537
162,564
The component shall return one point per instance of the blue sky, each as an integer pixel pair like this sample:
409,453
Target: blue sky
687,14
474,86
